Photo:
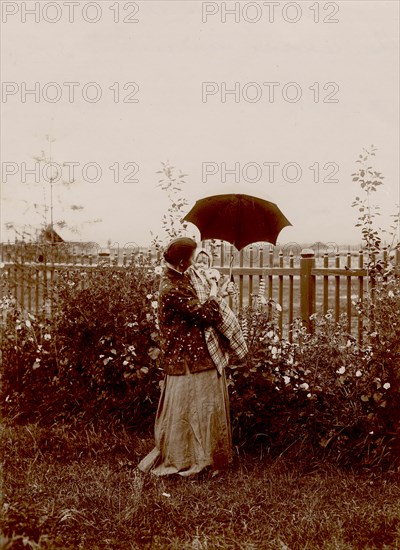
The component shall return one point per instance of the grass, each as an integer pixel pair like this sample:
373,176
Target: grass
77,488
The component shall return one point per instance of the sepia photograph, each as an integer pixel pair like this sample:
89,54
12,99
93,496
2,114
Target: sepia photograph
200,275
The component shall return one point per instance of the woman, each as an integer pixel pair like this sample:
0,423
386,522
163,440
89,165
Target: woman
192,427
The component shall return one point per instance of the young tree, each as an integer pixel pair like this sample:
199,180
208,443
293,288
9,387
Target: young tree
51,183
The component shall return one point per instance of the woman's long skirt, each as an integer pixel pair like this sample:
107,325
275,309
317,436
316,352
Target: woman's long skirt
192,427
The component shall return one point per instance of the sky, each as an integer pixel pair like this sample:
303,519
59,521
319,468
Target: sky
223,91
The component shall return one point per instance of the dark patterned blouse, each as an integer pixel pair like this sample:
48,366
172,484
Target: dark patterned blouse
182,319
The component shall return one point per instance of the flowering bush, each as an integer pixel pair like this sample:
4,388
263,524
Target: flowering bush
98,354
28,360
322,390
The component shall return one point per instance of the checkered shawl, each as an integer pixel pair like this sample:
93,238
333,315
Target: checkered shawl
229,327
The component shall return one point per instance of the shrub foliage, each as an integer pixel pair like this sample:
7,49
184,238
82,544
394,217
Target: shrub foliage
323,391
99,357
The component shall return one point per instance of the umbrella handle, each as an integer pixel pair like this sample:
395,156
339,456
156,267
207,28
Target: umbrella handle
231,279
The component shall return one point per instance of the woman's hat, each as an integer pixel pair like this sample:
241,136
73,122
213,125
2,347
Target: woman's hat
179,249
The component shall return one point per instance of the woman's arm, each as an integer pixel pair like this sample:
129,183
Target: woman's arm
184,300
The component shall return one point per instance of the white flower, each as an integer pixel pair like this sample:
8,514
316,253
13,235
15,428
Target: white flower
309,395
342,370
386,385
391,294
149,296
286,379
328,316
154,304
270,334
28,323
47,337
304,386
278,307
358,373
158,270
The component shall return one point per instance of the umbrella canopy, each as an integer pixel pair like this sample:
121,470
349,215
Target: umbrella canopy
238,219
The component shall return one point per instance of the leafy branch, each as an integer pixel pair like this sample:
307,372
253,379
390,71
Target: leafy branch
173,186
369,180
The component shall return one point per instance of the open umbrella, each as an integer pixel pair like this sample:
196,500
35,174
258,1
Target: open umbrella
237,218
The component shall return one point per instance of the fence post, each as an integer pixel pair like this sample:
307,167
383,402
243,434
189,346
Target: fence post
307,287
104,257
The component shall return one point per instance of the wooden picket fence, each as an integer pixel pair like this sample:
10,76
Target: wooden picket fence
302,282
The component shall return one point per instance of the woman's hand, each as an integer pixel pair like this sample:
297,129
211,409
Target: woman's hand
228,288
231,288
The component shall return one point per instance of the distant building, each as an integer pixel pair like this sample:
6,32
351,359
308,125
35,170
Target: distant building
49,236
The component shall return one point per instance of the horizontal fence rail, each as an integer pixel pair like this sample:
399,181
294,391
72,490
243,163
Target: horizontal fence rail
299,282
